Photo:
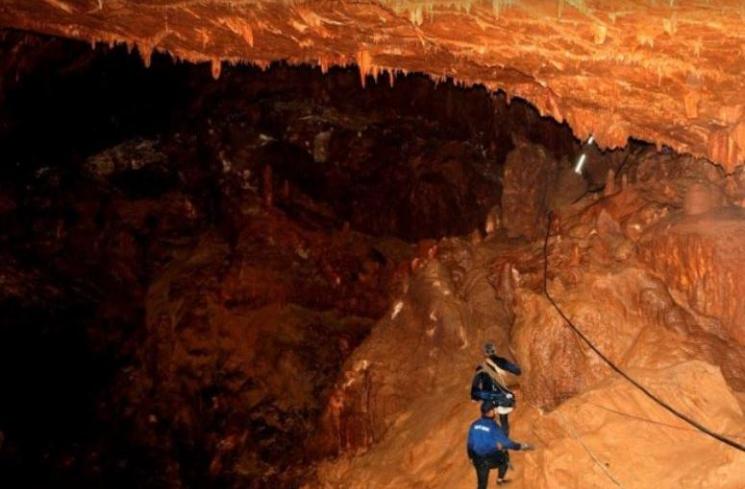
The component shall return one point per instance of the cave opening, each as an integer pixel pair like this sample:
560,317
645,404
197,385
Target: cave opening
189,263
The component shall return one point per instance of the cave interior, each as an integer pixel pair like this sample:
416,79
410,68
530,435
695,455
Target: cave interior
283,276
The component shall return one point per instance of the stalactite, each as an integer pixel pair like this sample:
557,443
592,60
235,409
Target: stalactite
146,54
323,64
216,66
364,64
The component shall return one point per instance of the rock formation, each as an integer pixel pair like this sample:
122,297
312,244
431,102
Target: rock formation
593,429
662,72
224,276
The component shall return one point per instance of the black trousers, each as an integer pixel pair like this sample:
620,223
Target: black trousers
482,465
504,423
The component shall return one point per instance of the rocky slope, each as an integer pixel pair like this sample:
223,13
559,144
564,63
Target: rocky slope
401,407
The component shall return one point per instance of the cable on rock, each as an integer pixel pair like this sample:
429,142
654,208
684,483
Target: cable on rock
719,437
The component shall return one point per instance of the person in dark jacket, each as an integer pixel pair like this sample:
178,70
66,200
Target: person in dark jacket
489,384
488,445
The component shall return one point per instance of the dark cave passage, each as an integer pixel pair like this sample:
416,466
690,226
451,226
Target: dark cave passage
187,263
416,160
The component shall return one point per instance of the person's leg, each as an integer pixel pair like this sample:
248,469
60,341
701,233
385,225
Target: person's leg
482,472
502,465
504,423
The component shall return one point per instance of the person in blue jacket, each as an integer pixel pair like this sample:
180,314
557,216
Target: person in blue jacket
488,445
489,384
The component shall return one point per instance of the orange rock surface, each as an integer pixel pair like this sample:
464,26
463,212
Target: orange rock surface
651,288
610,436
270,330
703,258
667,72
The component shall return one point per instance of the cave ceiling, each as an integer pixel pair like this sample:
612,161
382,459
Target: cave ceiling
666,71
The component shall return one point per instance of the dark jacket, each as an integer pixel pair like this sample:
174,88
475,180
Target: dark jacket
485,388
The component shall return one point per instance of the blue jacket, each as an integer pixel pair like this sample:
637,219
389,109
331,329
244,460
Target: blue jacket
483,437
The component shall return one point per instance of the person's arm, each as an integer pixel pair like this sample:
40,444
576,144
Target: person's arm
505,364
477,392
504,443
469,443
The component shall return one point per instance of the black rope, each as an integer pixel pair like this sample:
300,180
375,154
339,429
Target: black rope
613,366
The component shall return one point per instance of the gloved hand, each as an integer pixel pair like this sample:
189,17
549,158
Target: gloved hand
526,447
